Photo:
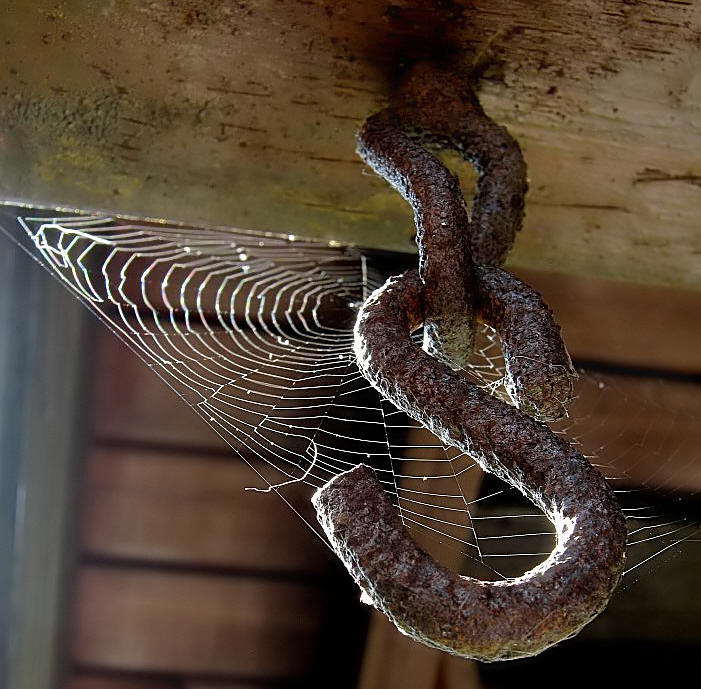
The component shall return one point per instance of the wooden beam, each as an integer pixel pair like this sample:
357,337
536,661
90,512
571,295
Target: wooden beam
133,405
244,114
623,324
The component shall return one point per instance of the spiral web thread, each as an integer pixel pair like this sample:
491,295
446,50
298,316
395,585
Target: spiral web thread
254,332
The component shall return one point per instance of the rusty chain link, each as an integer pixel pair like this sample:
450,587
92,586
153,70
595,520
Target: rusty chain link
459,280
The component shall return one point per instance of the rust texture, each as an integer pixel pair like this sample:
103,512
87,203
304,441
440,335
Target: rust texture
442,226
468,617
213,113
437,105
539,373
459,278
434,106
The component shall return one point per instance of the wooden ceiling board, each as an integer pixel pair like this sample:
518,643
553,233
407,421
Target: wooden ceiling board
243,114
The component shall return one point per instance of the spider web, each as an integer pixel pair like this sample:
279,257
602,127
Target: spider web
254,332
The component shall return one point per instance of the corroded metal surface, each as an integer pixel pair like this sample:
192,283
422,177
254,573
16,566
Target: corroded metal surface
473,618
539,373
458,255
438,106
435,105
442,231
465,616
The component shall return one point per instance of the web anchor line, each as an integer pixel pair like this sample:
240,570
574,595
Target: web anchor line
459,280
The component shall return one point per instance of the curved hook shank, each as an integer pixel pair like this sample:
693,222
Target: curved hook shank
539,373
437,105
442,225
469,617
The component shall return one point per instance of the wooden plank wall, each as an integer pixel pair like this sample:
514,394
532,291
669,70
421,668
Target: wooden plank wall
186,580
189,582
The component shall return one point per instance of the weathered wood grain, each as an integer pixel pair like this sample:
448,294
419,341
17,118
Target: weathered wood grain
634,326
132,404
194,511
413,665
244,114
96,680
146,621
642,432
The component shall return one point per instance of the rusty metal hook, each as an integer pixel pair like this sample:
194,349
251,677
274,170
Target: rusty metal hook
459,280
